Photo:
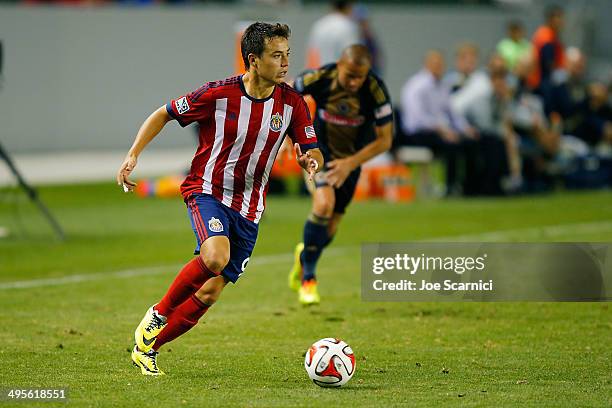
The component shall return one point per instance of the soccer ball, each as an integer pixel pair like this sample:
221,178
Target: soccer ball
330,362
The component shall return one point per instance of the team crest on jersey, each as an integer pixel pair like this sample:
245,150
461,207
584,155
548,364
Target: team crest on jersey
182,106
276,122
214,224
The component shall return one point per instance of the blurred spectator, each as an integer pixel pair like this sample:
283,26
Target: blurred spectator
331,34
528,115
515,45
497,64
540,137
595,128
360,14
467,82
548,51
584,108
499,144
428,120
570,90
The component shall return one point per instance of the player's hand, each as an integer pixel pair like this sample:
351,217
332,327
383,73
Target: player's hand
338,171
306,161
449,136
472,133
124,171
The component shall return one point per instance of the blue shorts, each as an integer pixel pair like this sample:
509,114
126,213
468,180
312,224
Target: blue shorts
210,218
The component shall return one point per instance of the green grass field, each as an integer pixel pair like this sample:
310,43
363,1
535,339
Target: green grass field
75,328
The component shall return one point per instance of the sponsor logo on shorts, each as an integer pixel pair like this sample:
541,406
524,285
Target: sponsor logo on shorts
182,106
215,225
276,122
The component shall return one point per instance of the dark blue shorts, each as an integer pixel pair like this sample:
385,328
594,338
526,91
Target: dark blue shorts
211,218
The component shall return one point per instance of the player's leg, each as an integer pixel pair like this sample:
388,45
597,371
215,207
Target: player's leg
333,204
314,234
207,221
183,318
315,239
332,228
191,311
215,253
231,253
316,230
308,291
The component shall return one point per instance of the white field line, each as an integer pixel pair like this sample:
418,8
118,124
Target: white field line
148,271
528,234
524,234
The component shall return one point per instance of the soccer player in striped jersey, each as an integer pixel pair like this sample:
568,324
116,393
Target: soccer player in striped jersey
243,121
352,102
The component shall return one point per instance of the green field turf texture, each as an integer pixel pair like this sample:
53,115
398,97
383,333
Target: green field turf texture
249,351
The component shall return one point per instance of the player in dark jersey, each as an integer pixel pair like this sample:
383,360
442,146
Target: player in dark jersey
352,103
243,121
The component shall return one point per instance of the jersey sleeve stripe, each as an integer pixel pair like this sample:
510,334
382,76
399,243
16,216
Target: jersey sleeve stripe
173,115
384,121
309,146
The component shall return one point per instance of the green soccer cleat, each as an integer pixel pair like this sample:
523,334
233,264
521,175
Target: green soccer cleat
148,329
295,276
146,361
309,295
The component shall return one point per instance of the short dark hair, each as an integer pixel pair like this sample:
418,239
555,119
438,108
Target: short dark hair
254,38
552,11
341,4
515,25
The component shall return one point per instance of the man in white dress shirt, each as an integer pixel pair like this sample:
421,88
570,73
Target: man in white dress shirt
427,119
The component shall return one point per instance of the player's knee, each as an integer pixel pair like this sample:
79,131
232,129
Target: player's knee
208,298
215,259
209,295
324,209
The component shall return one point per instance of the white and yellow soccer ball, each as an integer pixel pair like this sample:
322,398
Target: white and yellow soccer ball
330,362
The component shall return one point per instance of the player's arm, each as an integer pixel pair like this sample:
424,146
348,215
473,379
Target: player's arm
304,138
340,169
147,132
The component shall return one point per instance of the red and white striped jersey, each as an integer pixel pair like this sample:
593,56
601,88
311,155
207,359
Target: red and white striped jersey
239,139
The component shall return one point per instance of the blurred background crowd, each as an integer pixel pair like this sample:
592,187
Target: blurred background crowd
495,114
514,120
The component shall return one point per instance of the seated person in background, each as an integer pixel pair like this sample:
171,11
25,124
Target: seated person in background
540,136
428,120
596,129
569,89
515,45
528,116
583,107
467,83
499,144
